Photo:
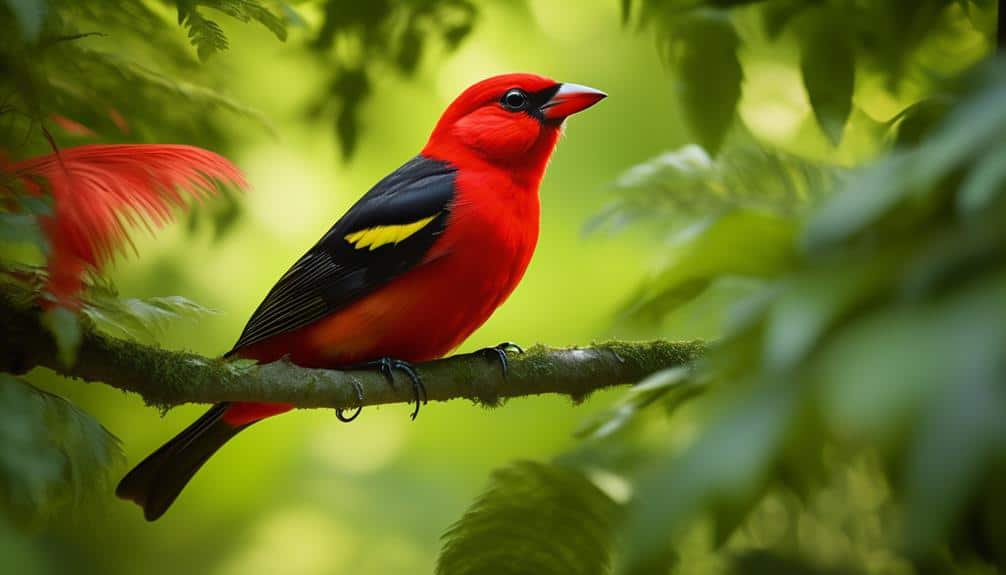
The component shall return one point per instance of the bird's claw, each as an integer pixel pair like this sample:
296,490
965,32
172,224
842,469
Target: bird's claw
499,353
359,406
386,366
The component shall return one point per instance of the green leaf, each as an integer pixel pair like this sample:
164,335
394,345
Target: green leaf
962,431
51,453
137,317
679,186
867,197
30,14
64,325
673,386
534,519
250,10
702,53
912,124
828,65
206,35
723,467
962,434
972,127
808,305
985,182
739,243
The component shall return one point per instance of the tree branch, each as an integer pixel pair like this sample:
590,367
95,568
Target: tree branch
166,378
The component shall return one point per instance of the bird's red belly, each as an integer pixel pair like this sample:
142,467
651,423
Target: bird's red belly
422,315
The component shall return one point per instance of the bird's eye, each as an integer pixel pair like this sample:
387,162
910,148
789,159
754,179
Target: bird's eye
514,100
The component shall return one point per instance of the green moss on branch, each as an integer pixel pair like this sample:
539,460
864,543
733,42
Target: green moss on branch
166,378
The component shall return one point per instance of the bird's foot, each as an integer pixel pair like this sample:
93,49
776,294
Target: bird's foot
386,366
499,353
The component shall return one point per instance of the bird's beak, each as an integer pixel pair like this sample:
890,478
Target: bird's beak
570,99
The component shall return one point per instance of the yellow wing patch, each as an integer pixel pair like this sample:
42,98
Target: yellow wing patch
377,236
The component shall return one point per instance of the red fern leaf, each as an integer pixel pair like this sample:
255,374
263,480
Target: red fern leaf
100,191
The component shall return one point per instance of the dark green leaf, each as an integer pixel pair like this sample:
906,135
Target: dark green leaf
206,35
51,452
963,429
828,65
534,519
250,10
962,434
702,50
916,121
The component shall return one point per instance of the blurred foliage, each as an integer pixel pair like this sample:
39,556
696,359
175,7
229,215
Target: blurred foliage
64,62
51,453
66,59
356,39
878,332
838,41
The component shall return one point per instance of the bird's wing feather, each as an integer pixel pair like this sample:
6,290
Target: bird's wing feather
386,233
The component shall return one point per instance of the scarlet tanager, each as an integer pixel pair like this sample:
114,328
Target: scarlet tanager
408,273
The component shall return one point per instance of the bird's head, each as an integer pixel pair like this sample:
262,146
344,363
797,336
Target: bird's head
510,120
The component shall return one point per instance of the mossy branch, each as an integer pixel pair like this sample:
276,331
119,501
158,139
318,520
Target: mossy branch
166,378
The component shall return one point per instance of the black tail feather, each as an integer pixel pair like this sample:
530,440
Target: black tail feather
155,483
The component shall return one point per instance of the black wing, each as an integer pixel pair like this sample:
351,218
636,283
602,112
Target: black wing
386,233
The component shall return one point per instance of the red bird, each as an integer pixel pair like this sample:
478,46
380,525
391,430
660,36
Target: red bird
408,273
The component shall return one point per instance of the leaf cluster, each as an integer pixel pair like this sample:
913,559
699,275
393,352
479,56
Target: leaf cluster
359,40
838,41
118,71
